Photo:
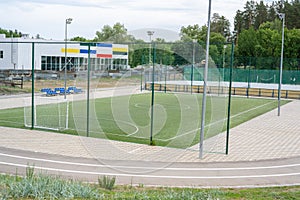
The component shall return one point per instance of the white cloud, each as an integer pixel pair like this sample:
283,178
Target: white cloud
47,18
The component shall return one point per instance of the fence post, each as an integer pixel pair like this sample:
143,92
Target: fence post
248,87
229,100
152,96
88,93
141,79
166,71
32,87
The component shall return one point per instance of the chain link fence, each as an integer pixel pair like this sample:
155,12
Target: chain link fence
127,92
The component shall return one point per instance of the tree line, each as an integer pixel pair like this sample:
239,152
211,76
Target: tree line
256,34
10,33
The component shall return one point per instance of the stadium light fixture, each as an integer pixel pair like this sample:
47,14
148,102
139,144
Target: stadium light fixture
68,21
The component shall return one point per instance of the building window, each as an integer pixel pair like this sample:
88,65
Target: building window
1,54
44,62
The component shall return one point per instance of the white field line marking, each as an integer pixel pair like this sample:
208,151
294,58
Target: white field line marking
125,122
216,122
152,176
82,130
151,168
189,132
146,106
135,150
138,105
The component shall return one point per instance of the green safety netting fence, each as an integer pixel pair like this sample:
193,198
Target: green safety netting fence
243,75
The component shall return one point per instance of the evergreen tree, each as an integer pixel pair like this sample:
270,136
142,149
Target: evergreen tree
261,15
249,14
220,24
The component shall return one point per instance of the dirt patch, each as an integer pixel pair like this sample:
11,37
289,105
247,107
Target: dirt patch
95,83
79,83
7,90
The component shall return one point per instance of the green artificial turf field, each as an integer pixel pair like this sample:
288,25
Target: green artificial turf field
176,117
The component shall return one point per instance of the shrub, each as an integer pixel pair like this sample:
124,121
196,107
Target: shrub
45,187
29,172
107,182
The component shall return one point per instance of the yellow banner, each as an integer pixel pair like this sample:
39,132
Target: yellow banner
120,49
70,50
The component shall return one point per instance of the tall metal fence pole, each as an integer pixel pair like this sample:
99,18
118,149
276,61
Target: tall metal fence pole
152,95
193,65
142,79
88,93
165,71
32,87
249,80
229,98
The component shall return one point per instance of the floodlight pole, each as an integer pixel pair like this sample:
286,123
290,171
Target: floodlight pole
282,17
68,21
205,85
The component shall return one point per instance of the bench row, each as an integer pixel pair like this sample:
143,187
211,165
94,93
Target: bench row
60,91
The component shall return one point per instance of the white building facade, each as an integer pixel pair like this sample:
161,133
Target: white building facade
49,55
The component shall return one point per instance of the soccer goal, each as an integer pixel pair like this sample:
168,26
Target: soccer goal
50,113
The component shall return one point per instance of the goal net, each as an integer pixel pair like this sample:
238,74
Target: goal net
48,113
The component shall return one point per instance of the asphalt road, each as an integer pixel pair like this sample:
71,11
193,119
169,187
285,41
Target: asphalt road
226,174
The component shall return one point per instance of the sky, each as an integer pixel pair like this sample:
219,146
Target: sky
166,17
